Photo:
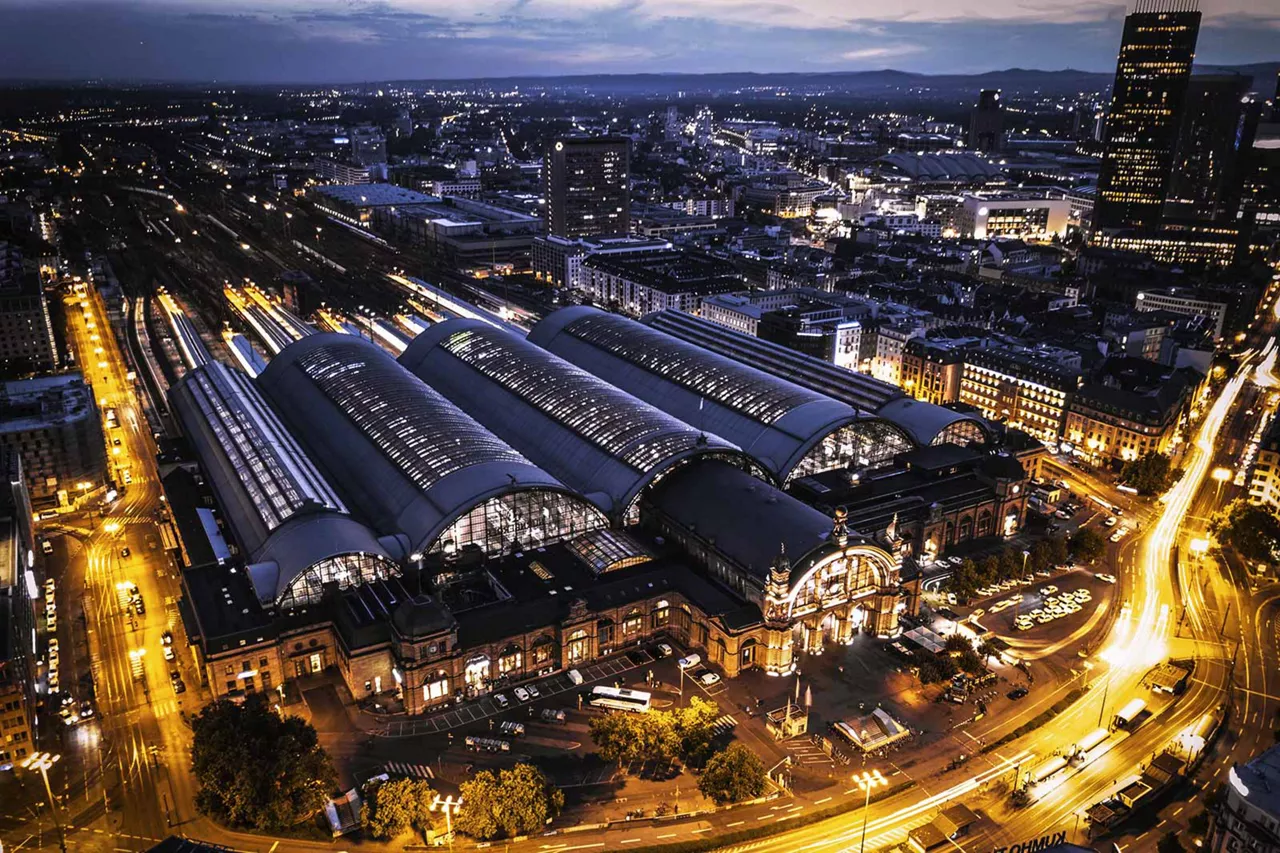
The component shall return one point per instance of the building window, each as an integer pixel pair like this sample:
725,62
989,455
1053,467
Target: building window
438,689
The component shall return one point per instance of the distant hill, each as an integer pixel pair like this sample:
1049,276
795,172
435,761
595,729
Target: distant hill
885,81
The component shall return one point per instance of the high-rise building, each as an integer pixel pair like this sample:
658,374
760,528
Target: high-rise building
1214,137
26,334
368,146
1156,53
986,122
587,186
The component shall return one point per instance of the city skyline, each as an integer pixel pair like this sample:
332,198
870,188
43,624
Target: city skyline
261,41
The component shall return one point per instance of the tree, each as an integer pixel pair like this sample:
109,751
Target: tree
1249,528
695,727
1087,545
1010,563
732,775
515,802
396,805
257,769
987,650
1151,474
989,571
1058,553
1041,556
964,579
658,736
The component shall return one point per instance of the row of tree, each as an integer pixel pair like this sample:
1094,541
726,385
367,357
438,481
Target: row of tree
1009,563
662,739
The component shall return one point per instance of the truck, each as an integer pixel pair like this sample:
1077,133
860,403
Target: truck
1127,716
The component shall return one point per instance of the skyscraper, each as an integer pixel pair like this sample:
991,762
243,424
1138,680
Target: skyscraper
587,186
1152,71
986,122
1214,136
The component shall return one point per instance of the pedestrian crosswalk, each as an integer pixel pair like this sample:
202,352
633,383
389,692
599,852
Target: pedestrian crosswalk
413,771
723,724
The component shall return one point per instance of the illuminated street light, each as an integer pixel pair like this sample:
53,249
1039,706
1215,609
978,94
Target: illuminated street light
867,780
42,761
1222,475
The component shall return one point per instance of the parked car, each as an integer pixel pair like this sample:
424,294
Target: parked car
511,728
664,651
533,691
501,700
1105,578
1017,693
708,678
125,552
554,715
521,694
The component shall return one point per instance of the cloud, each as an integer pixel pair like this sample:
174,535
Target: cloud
352,40
881,52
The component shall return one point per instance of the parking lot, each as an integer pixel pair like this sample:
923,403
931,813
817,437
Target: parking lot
477,710
1026,608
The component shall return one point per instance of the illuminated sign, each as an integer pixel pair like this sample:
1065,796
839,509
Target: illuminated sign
1042,843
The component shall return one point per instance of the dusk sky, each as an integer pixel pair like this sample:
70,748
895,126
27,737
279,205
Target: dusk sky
357,40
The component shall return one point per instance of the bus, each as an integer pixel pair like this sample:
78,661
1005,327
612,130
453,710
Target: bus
1080,753
1125,716
620,699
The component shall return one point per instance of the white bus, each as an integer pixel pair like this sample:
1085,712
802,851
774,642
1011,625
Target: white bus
620,699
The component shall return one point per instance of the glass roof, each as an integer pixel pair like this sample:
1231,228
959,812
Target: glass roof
613,420
856,389
423,434
754,393
275,472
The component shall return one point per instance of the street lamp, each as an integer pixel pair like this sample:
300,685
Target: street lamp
42,761
1222,475
867,780
450,807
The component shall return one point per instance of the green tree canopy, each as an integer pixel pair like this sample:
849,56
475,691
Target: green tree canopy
513,802
1087,545
1251,529
1151,474
257,769
660,736
396,805
732,775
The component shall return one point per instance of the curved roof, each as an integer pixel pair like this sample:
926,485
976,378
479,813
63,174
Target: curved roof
267,487
304,542
941,166
862,392
408,458
926,421
776,421
745,520
601,441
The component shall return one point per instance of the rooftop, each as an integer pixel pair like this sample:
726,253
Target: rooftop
376,195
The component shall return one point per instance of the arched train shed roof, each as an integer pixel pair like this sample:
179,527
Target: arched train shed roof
267,486
776,421
411,460
601,441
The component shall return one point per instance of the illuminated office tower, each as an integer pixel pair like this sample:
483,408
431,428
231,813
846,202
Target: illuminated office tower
1152,71
587,184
